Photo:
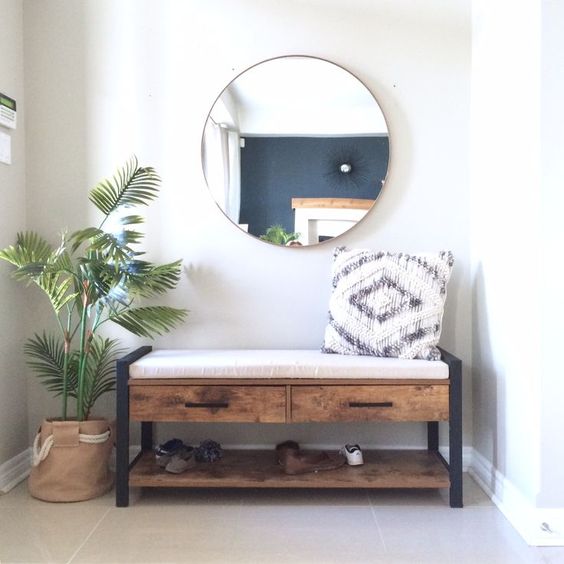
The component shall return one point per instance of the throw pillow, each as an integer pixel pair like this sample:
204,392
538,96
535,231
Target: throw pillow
387,304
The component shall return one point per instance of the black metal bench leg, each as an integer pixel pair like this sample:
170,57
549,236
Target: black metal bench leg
147,435
122,442
122,425
455,433
433,436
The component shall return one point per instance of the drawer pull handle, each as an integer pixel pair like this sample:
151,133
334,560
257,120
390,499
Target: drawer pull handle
371,404
207,404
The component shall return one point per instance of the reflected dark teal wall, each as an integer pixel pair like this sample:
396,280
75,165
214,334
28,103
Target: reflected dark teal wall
276,169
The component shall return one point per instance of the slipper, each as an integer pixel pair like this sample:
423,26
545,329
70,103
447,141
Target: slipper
299,463
164,452
208,451
181,460
283,450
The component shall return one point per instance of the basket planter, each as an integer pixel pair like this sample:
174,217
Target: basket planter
71,460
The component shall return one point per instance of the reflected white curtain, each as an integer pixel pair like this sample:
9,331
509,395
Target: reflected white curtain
222,167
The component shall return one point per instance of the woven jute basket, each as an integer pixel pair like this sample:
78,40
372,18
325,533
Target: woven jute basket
71,460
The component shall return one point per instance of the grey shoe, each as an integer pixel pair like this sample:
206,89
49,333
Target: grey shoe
164,452
181,460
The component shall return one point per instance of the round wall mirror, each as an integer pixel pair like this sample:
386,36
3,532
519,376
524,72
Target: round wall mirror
295,150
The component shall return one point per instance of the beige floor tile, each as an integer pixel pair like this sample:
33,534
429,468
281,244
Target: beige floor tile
468,535
473,494
35,531
297,533
165,533
439,557
265,526
320,555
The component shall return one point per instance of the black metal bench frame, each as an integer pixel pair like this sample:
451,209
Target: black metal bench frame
123,466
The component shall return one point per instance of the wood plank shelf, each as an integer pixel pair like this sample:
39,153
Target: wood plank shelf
259,469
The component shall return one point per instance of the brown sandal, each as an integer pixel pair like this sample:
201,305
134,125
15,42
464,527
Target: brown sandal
296,462
314,462
283,450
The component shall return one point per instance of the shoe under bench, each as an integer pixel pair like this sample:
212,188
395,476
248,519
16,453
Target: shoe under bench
271,387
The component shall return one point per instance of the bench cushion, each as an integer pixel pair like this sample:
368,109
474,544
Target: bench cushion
244,363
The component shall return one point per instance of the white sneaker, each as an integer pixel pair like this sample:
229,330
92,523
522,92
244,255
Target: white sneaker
353,454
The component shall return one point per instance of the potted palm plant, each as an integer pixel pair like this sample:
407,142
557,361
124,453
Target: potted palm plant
93,276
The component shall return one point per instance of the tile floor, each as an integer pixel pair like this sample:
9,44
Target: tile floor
254,526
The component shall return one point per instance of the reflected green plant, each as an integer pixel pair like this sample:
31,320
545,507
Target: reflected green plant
278,235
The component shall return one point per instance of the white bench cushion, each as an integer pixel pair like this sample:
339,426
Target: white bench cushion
244,363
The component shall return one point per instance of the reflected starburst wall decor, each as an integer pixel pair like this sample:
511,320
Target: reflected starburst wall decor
346,168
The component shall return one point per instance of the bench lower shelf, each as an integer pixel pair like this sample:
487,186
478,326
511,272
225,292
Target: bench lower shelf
259,469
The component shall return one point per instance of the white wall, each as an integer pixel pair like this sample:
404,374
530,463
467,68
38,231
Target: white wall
141,77
551,492
304,96
13,389
505,213
516,181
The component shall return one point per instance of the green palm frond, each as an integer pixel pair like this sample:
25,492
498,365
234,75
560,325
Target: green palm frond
58,277
150,320
131,185
30,271
111,246
99,376
37,262
132,220
60,260
116,247
46,358
58,289
30,254
79,237
146,280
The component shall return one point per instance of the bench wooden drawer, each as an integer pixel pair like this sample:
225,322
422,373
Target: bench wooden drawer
251,404
370,403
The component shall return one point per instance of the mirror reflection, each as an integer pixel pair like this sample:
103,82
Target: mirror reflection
295,150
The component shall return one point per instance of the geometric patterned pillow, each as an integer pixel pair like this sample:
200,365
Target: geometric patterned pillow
387,304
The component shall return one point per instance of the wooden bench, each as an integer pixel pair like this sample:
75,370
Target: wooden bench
288,387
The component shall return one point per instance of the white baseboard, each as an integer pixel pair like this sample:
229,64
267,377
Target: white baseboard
15,470
467,453
538,526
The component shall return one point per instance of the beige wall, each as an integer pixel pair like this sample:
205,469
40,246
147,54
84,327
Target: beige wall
13,388
141,76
